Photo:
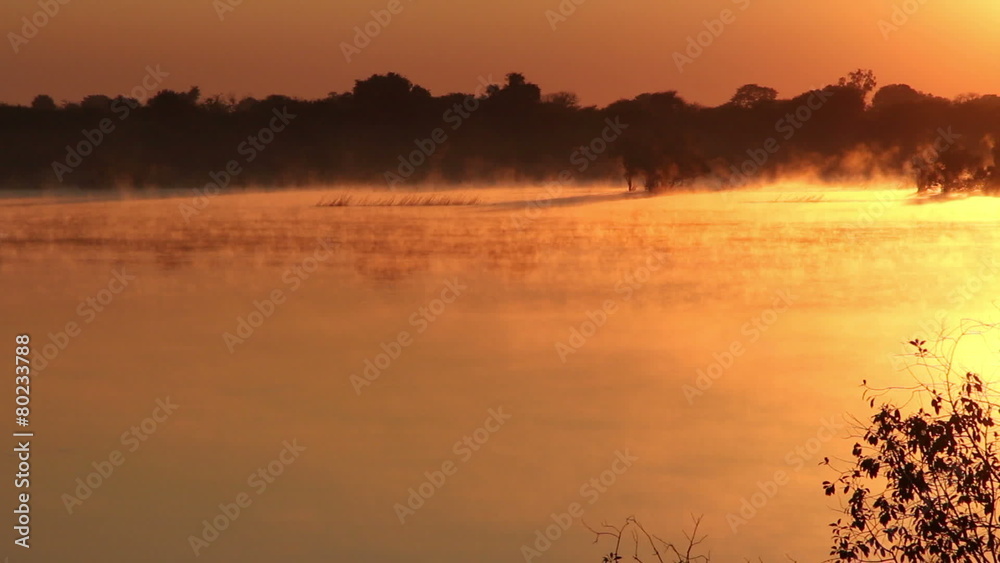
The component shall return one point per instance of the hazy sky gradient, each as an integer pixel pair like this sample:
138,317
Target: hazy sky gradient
605,51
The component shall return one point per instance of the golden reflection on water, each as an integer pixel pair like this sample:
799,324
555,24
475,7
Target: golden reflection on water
868,270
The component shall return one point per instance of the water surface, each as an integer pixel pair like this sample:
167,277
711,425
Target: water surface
687,277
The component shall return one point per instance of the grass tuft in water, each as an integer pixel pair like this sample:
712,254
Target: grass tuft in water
391,201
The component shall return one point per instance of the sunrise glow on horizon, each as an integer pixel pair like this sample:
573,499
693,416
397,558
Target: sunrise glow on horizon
600,51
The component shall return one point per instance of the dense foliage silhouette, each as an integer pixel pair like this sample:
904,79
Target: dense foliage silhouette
388,130
922,483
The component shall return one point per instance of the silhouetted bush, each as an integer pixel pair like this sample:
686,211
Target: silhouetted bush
924,483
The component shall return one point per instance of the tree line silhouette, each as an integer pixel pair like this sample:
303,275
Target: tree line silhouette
388,130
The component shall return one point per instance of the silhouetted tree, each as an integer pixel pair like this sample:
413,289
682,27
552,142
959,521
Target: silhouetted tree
246,104
171,101
567,100
193,95
96,102
387,89
967,97
861,79
750,95
44,103
518,91
894,94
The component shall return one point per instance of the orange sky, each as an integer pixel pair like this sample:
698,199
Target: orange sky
604,51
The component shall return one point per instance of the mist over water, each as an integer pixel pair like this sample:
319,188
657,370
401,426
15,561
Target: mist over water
787,296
